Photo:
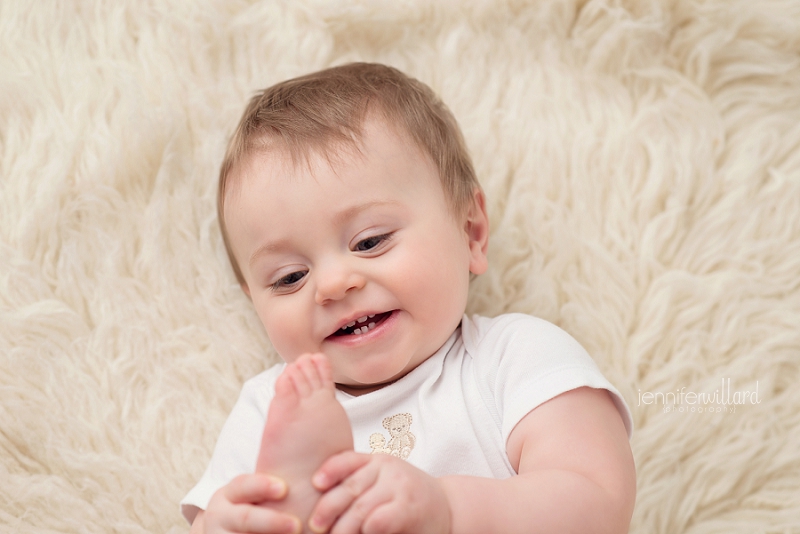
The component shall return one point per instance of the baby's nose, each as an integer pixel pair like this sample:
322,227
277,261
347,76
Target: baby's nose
334,284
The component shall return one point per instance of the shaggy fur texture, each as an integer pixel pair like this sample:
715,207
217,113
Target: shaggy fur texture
642,166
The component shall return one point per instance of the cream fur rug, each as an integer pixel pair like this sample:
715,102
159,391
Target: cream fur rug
642,164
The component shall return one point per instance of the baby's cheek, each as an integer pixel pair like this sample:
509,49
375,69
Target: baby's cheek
286,335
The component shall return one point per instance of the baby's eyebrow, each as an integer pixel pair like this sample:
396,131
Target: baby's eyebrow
274,247
269,248
348,213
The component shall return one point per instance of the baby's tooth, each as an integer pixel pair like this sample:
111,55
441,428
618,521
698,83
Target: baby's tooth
362,319
371,316
371,326
348,325
359,331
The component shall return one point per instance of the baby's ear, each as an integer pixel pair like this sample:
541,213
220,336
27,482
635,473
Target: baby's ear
477,228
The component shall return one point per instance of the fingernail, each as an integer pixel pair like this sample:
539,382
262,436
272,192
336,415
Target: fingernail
320,480
315,527
297,527
278,486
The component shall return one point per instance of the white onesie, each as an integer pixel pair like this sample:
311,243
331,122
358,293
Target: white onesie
451,415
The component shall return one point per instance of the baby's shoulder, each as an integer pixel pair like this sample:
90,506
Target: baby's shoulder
260,388
515,331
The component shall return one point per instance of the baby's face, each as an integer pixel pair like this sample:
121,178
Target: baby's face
362,261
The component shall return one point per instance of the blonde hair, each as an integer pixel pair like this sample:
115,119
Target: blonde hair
313,112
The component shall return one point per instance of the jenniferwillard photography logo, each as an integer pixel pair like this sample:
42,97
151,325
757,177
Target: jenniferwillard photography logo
683,400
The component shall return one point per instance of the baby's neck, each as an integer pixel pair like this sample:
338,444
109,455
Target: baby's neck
363,389
357,391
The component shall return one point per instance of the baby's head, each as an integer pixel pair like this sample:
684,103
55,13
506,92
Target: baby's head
353,219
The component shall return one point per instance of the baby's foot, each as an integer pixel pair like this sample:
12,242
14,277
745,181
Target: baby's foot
305,426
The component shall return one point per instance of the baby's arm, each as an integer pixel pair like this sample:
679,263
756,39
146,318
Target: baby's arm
576,473
231,509
575,468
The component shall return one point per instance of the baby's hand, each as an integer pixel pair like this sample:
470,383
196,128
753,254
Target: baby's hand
233,508
377,494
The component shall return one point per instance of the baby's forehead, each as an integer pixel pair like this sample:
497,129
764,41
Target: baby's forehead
292,159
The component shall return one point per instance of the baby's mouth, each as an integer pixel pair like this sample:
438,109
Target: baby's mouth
362,325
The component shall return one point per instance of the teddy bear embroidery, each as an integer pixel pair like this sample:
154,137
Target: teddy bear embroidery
401,440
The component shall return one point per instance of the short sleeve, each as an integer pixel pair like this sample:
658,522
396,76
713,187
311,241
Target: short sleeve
523,361
236,451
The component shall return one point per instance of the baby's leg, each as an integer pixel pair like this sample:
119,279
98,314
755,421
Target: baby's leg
305,426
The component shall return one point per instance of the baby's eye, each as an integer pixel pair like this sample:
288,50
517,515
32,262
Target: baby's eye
371,242
288,280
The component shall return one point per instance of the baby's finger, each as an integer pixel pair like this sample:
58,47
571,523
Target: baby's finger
337,468
385,517
260,520
255,488
339,499
359,513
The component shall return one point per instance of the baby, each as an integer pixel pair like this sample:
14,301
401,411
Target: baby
353,221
